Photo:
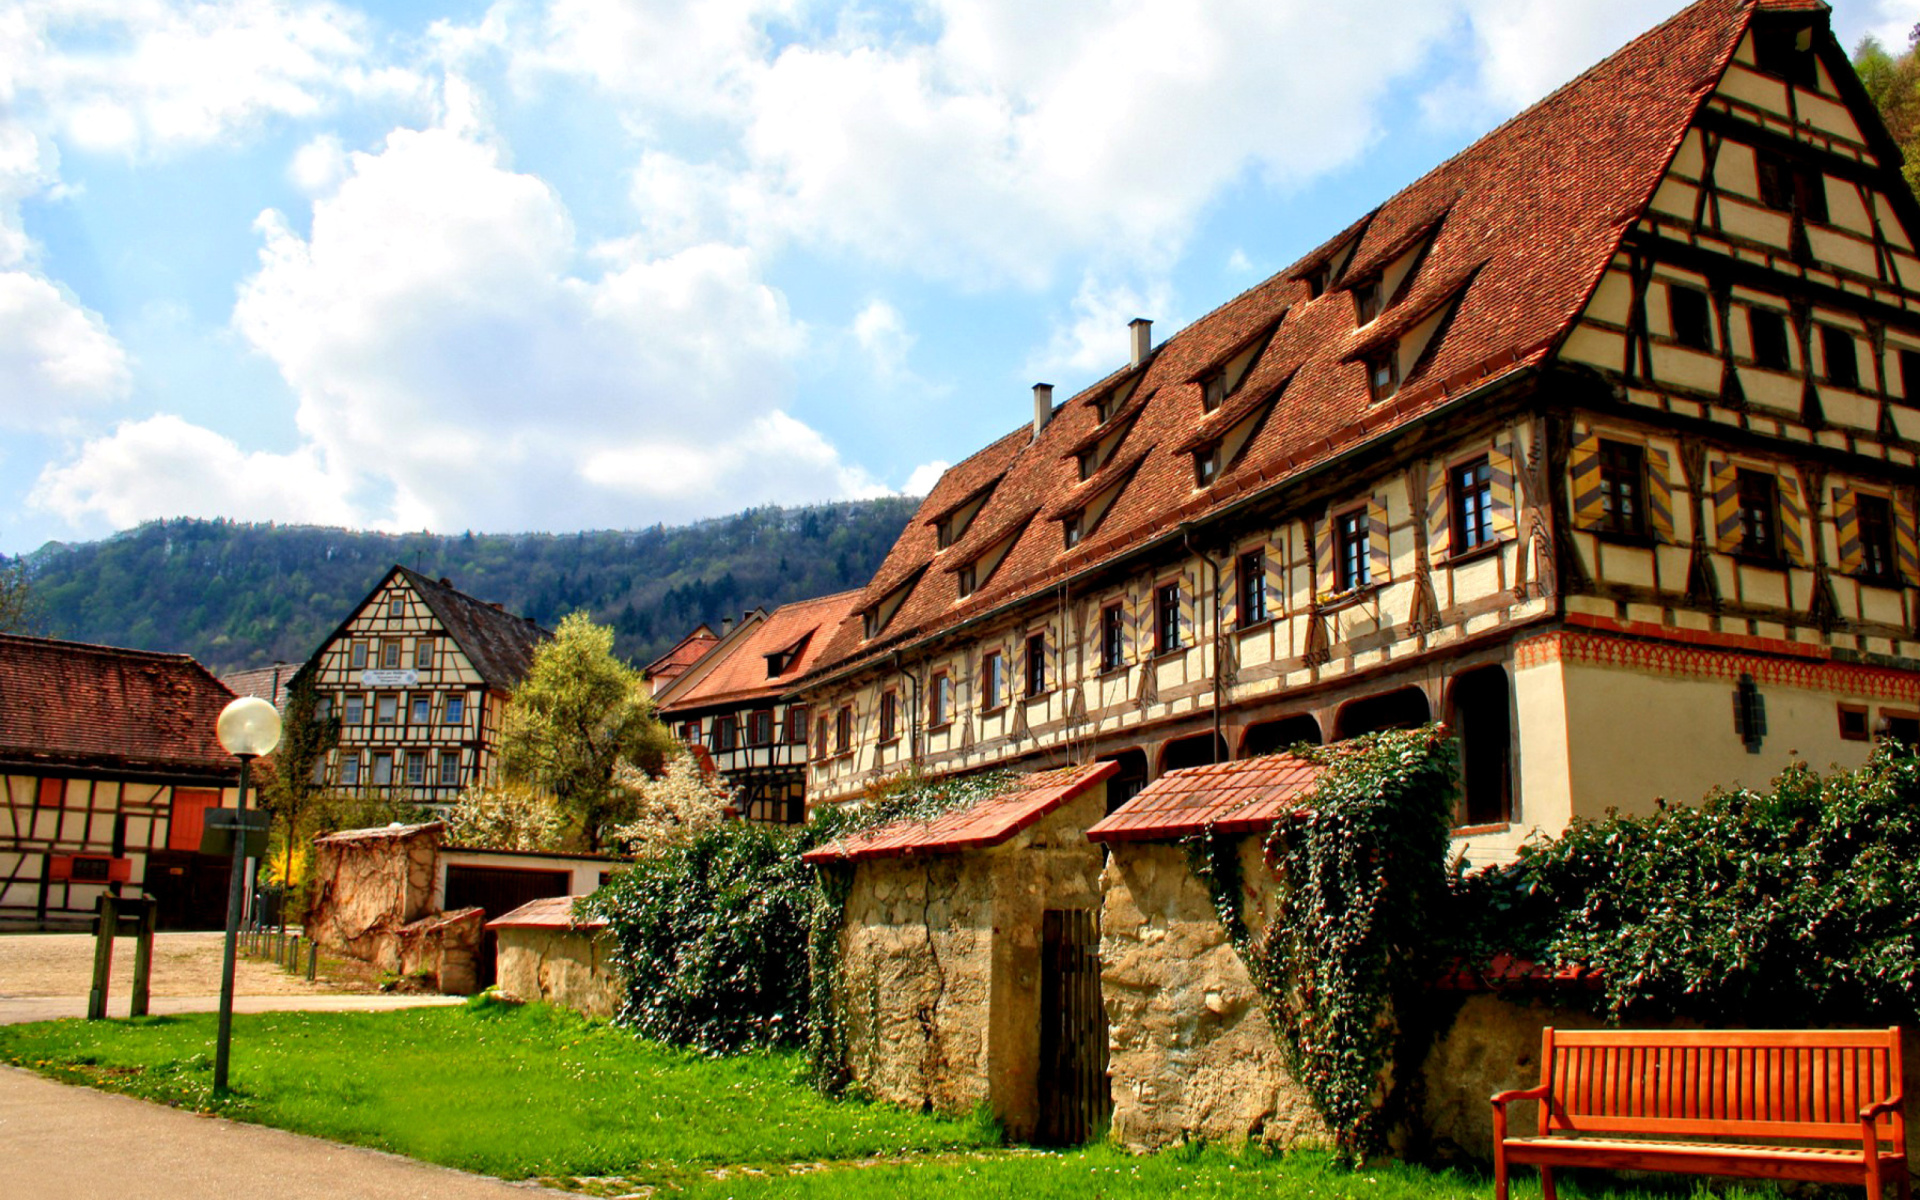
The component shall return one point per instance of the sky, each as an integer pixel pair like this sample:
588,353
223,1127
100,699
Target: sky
584,264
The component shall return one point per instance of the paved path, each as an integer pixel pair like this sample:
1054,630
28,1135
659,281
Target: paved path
72,1143
15,1010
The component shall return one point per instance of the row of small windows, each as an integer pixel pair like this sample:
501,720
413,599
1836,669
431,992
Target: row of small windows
387,707
417,769
1690,317
393,654
726,729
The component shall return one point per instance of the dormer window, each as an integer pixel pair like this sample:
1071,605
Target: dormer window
964,579
1089,463
1206,465
1073,528
869,624
777,663
1786,52
1383,373
1319,280
943,533
1366,301
1213,390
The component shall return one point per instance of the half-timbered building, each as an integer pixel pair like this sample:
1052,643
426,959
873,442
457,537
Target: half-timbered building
733,704
418,677
108,763
1597,442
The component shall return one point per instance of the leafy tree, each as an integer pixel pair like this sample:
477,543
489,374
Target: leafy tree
290,792
508,816
576,716
1894,84
19,607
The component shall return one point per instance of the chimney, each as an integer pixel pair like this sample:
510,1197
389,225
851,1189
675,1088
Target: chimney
726,626
1142,330
1042,406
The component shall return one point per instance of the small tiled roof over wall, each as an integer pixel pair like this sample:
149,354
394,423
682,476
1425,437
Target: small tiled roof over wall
987,823
1518,228
71,705
1232,797
499,644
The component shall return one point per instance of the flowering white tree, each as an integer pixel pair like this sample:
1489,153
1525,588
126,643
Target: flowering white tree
507,816
683,800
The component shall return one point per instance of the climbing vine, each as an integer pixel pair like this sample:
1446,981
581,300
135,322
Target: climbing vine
907,797
1360,891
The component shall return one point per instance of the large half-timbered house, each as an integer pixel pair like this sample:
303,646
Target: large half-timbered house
108,763
418,677
733,704
1597,442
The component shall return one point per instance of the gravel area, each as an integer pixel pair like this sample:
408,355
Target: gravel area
184,964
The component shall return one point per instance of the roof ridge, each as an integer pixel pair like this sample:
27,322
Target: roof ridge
177,656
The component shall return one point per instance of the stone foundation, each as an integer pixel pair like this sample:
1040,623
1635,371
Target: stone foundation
564,967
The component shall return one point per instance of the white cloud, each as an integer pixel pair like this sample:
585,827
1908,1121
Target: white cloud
1526,49
56,357
924,476
319,166
133,77
451,351
165,467
882,334
1095,336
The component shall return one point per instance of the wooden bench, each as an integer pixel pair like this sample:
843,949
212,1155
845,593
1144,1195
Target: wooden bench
1715,1102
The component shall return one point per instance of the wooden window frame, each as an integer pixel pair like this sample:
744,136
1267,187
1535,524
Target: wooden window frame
1623,488
454,711
449,768
357,656
1113,637
1877,547
423,651
1470,504
943,533
726,733
1696,332
381,700
760,727
843,730
1166,618
966,580
420,710
1759,501
1036,664
1855,722
1206,465
1383,373
353,710
993,681
1213,390
797,721
1779,352
1073,528
391,654
1906,716
380,758
350,769
416,758
1250,588
889,717
1830,338
939,700
396,607
1352,549
1369,301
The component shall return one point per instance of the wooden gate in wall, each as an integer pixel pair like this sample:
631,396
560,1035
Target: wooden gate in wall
498,890
1075,1100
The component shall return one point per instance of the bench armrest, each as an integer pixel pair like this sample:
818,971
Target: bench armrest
1533,1093
1890,1104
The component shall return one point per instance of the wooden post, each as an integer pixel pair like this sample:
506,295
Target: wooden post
313,959
106,923
149,917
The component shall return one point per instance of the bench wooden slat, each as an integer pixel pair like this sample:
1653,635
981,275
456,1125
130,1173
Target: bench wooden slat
1709,1085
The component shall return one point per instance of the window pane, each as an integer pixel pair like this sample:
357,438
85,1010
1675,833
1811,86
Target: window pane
1622,470
456,710
1769,339
1253,587
1355,556
1691,316
1759,504
1843,363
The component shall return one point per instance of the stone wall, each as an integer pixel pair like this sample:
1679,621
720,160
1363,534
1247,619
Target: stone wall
940,985
565,967
372,897
1194,1055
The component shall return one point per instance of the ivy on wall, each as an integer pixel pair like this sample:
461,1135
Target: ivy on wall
1800,900
1359,903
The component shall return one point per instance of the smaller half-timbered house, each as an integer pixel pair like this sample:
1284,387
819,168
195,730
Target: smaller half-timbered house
108,763
731,705
418,676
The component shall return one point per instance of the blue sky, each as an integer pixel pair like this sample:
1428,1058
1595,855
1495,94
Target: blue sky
587,264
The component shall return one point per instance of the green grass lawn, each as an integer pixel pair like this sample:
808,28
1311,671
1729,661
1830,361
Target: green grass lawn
535,1092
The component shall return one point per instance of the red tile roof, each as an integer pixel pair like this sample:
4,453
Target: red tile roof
268,683
550,912
499,644
66,704
1523,222
683,655
987,823
1231,797
739,674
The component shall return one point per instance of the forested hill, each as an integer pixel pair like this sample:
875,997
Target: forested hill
237,595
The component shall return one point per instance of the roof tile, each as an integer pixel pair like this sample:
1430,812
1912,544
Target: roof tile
987,823
1231,797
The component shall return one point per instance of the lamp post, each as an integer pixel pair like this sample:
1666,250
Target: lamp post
248,728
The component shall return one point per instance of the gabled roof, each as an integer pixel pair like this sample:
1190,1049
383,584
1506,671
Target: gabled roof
71,705
548,912
987,823
1231,797
1524,223
736,671
268,683
499,644
684,654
